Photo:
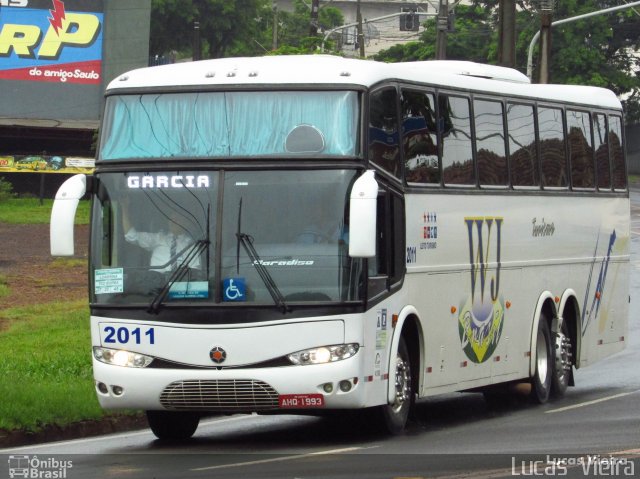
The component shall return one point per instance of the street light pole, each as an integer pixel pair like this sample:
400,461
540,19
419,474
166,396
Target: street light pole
545,46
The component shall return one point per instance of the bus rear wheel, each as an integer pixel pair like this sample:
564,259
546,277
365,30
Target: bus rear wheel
541,379
396,415
173,425
563,362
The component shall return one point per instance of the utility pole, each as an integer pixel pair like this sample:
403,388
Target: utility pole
545,41
315,11
359,28
274,40
442,25
197,44
507,29
197,53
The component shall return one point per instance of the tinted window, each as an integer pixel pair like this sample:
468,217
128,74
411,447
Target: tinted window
580,149
383,130
552,151
523,158
617,154
490,150
602,152
455,128
419,138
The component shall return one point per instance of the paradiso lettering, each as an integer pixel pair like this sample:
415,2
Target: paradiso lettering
481,318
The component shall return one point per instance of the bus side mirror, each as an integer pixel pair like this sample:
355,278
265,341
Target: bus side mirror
362,216
63,215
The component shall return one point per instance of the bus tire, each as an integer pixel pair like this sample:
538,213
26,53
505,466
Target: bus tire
173,425
396,415
563,360
544,357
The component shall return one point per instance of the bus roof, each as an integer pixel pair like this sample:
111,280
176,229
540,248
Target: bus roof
301,70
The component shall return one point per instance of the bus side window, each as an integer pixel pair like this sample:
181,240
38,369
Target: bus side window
601,146
552,151
419,138
384,148
457,156
490,149
617,154
580,149
523,154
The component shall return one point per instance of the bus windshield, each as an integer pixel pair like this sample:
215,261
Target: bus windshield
230,124
272,237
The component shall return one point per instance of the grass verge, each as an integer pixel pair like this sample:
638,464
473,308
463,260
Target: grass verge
30,211
46,367
4,286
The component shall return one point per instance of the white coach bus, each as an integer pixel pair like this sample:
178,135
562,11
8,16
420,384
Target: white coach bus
313,233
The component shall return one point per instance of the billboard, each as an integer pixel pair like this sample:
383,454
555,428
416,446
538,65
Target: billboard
52,62
46,164
51,41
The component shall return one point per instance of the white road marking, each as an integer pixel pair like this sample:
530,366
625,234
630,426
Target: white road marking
283,458
589,403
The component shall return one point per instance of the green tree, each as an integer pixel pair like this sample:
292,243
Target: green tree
473,39
293,28
233,27
227,27
597,51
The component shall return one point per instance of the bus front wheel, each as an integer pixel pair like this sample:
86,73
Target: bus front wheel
544,357
173,425
396,415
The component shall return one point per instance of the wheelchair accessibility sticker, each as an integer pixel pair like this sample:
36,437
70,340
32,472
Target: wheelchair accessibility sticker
234,289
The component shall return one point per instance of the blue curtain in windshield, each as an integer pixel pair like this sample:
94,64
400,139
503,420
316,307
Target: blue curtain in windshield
225,124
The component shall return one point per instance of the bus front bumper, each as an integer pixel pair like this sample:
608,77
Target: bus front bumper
336,385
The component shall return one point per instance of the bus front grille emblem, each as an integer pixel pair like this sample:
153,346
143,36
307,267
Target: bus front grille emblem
218,355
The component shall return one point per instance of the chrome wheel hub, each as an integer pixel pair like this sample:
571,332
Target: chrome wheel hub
403,384
563,356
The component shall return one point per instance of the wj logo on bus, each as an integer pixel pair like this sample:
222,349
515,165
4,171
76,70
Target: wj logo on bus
481,317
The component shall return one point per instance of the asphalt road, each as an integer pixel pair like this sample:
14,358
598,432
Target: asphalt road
594,431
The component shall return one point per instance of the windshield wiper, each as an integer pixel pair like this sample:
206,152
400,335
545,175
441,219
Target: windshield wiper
247,243
177,274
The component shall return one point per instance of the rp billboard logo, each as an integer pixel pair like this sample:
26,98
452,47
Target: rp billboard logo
47,42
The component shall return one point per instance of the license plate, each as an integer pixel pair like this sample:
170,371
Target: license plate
300,401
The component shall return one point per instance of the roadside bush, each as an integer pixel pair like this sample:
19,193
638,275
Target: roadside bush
6,190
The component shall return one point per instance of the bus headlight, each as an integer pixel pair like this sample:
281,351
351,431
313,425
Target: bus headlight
324,354
119,357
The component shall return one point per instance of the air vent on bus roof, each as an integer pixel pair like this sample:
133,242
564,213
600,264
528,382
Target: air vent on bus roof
479,70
